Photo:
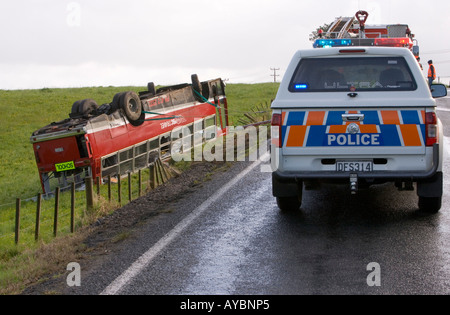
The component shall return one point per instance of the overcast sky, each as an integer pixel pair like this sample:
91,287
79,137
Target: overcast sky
65,43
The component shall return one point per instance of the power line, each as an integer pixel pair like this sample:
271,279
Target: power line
275,75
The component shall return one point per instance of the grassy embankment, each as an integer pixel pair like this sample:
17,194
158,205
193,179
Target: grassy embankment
24,111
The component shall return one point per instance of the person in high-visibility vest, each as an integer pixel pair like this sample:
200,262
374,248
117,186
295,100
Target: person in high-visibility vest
431,72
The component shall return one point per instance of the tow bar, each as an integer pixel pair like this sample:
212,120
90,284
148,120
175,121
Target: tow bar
354,183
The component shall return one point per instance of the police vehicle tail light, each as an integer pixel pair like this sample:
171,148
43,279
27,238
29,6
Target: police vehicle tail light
276,129
431,128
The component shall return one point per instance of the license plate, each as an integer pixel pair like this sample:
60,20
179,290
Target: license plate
354,166
67,166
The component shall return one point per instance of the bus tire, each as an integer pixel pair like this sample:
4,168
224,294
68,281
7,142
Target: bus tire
151,88
197,86
131,105
115,102
75,108
87,107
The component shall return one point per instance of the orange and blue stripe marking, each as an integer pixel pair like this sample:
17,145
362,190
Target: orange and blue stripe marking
391,128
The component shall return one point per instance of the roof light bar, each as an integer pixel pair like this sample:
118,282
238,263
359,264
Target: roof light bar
388,42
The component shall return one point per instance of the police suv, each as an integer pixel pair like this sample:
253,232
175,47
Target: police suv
359,115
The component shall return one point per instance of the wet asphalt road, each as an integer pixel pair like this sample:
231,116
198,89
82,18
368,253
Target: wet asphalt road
240,243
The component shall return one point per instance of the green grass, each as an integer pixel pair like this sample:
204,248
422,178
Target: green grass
24,111
243,97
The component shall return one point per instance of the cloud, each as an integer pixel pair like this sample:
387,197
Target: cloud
109,42
95,74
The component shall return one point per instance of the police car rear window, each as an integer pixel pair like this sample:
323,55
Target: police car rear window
352,74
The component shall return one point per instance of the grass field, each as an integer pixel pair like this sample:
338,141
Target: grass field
24,111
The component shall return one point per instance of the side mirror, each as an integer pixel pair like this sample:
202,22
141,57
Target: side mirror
438,90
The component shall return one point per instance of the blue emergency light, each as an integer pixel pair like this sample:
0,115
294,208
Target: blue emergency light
327,43
301,86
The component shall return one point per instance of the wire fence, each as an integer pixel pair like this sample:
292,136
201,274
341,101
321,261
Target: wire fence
44,217
41,217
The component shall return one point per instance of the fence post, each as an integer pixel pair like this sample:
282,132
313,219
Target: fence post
17,229
109,188
155,170
140,183
55,221
38,216
129,187
151,177
89,193
119,188
72,208
98,186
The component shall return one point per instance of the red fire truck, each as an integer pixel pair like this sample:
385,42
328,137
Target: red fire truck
353,31
129,133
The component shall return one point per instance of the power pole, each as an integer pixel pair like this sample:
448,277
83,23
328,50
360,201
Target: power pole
275,75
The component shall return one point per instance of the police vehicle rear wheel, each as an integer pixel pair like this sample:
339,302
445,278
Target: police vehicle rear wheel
289,203
430,204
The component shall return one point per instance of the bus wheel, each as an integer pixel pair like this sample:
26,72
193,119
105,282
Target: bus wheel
115,102
196,85
131,105
151,88
87,106
75,108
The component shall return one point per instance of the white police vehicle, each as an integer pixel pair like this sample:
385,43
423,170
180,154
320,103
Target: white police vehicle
359,115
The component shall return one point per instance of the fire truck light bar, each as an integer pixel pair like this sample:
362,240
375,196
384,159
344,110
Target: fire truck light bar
389,42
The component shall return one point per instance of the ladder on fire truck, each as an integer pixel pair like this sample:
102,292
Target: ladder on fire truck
339,28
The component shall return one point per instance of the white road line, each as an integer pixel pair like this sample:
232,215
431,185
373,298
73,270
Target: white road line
446,165
142,262
443,109
447,148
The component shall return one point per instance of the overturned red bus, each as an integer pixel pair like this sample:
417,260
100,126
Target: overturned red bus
129,133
